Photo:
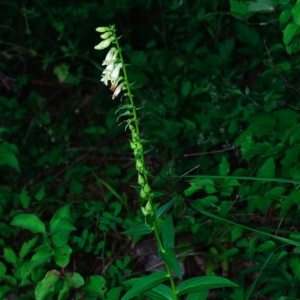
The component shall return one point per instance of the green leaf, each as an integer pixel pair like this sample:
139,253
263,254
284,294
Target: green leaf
169,257
8,158
186,88
61,224
59,239
266,246
160,292
296,12
114,293
37,259
290,31
138,230
285,16
239,9
236,232
2,269
63,212
74,279
45,286
9,255
24,198
198,296
228,253
30,222
224,167
208,201
295,266
27,246
146,283
275,237
267,169
261,6
168,233
95,286
203,283
162,210
62,255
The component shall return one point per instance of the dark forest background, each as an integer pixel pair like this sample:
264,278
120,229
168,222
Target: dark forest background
219,92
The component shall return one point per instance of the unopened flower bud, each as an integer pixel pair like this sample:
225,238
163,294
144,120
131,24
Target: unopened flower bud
144,211
141,180
143,194
132,145
104,44
147,188
139,166
102,29
148,207
105,35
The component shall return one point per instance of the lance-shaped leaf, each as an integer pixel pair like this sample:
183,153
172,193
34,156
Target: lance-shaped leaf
203,283
139,230
146,283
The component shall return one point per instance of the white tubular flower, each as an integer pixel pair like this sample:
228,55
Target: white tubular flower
105,79
115,73
102,29
109,69
110,56
105,35
114,85
118,90
104,44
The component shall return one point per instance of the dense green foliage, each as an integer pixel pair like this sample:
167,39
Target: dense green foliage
218,82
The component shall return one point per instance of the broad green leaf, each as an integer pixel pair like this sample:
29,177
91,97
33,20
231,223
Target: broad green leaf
60,238
37,259
296,12
289,33
224,167
197,185
168,233
74,279
27,246
63,293
9,255
266,246
239,9
8,158
162,210
261,6
95,286
198,296
146,283
138,230
63,212
267,169
4,289
203,283
236,232
45,286
285,16
186,88
62,255
160,292
114,293
61,224
30,222
169,257
208,201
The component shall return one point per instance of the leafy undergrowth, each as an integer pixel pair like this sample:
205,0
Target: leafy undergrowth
218,82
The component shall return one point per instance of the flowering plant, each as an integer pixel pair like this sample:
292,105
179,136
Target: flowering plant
152,285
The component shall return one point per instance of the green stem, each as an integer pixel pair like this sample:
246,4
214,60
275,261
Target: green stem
149,197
